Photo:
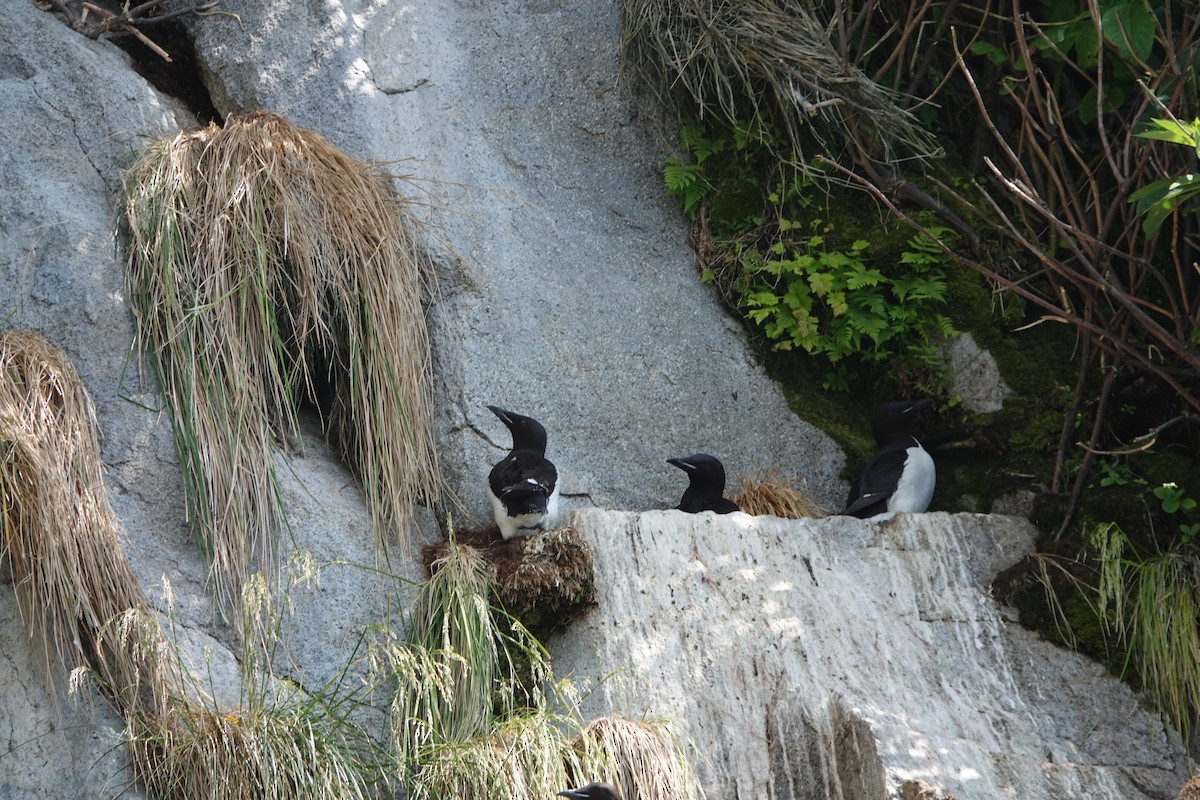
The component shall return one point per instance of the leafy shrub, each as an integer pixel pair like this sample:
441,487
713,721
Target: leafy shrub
835,305
844,304
1156,200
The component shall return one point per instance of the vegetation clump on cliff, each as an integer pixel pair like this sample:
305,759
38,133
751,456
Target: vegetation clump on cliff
1059,229
267,269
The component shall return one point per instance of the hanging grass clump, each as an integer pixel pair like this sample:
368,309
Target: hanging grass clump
61,540
301,749
84,606
1151,602
525,756
735,62
477,713
266,269
641,759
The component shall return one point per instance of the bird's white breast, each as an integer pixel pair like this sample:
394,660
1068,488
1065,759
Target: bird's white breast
511,526
914,491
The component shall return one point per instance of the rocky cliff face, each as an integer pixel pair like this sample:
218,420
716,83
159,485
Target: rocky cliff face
830,659
838,659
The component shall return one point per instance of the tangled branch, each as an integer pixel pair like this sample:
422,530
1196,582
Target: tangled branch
93,21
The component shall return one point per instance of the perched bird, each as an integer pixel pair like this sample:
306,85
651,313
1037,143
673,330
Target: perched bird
523,487
900,476
597,790
706,485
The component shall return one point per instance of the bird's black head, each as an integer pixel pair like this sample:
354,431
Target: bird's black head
896,419
704,471
527,432
593,791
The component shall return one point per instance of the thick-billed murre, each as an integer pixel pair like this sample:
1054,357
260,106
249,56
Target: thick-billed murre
900,476
706,485
597,790
523,487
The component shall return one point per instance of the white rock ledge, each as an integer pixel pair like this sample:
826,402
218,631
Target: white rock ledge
839,658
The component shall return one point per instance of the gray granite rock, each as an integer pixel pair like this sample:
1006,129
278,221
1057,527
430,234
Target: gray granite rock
73,113
974,375
566,288
839,658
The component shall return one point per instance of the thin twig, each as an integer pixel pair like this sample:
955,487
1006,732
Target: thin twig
1081,477
1145,441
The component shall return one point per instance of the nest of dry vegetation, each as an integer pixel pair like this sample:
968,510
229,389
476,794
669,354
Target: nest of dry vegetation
544,580
768,493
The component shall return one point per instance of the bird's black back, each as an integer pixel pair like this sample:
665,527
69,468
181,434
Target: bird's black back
524,481
597,790
876,481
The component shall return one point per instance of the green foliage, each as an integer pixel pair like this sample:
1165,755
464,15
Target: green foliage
1172,499
838,305
1155,201
843,304
1175,500
1152,602
1071,37
724,165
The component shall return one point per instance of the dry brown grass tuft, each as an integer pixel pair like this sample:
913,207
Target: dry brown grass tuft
198,751
83,605
525,758
61,540
266,265
640,759
761,57
768,493
1190,790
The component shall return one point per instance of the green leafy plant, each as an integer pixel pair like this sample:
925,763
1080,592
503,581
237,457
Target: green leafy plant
723,164
786,274
1116,475
1072,38
835,304
1175,500
1155,201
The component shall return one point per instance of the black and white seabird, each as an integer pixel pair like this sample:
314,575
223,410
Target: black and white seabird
900,476
597,790
523,487
706,485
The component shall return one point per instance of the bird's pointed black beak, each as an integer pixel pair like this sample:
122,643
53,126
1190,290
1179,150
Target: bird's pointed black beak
505,416
919,405
571,793
682,464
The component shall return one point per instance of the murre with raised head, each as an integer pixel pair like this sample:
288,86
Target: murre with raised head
523,487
